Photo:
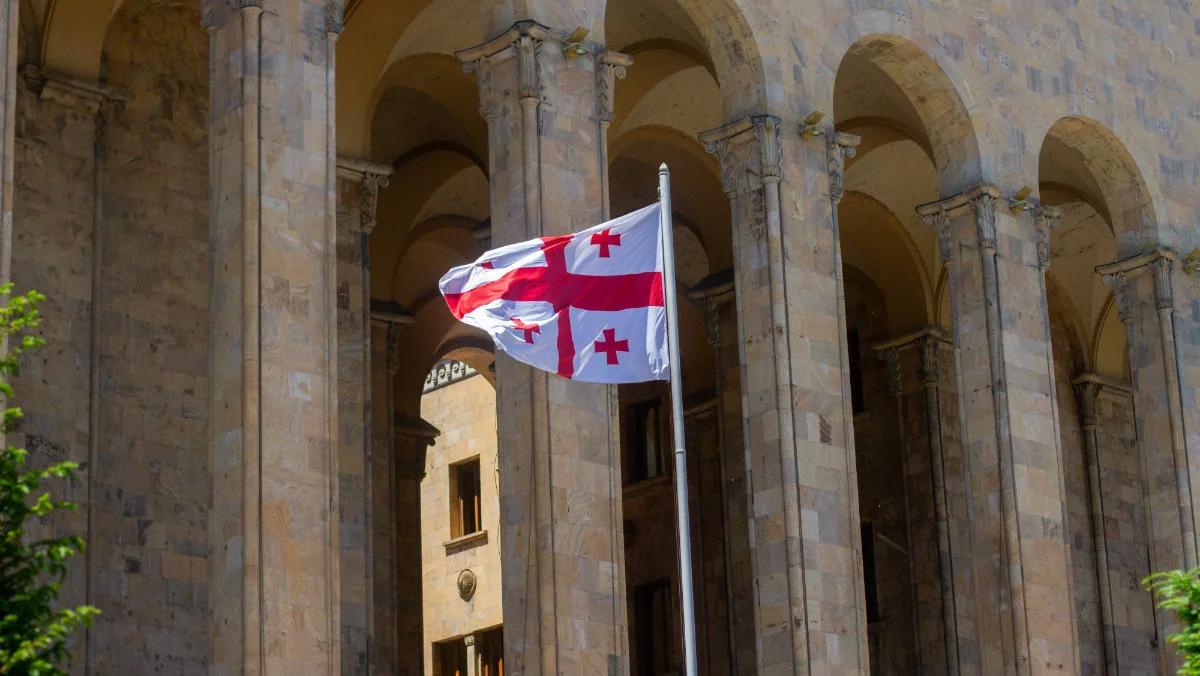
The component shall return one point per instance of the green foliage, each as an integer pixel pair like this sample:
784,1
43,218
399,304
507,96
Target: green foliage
32,632
1179,591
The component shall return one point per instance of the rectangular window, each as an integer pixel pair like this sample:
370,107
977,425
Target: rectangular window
464,499
489,646
643,441
451,658
654,649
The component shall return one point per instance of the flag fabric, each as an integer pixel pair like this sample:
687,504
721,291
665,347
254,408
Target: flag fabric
587,306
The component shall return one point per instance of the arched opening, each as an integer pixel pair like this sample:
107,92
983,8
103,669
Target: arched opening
406,107
672,93
1084,172
915,145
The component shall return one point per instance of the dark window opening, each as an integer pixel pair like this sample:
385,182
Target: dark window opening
464,499
643,441
451,658
653,641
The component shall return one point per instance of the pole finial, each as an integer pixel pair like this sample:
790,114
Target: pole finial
662,168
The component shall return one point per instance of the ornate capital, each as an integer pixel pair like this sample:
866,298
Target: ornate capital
1158,263
333,17
370,178
979,202
842,146
984,208
1164,293
523,42
734,145
1047,220
928,341
610,67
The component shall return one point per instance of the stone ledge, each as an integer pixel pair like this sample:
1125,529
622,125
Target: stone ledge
468,541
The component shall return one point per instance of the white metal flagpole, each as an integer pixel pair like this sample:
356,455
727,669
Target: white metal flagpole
681,475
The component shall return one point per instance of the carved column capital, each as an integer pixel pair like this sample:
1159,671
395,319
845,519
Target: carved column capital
334,16
980,202
370,177
610,67
1158,263
928,340
842,146
523,42
1047,219
1085,394
746,147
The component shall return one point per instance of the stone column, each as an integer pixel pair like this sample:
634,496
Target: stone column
411,439
358,189
805,553
560,491
1148,290
273,585
1007,404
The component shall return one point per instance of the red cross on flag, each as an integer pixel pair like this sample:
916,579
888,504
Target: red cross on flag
587,306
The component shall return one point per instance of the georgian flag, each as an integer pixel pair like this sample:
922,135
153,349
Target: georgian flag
587,306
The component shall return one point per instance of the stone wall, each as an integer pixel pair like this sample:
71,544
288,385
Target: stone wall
126,396
464,414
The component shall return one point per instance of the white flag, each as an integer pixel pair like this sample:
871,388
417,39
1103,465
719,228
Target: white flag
587,306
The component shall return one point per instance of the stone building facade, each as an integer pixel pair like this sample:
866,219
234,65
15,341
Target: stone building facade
941,346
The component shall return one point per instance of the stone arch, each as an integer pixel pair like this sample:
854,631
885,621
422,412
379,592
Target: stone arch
1085,160
916,92
716,29
1108,351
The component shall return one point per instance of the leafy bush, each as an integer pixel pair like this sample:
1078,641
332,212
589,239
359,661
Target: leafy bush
32,632
1179,591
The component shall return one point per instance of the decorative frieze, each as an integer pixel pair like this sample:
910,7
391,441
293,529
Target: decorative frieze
446,373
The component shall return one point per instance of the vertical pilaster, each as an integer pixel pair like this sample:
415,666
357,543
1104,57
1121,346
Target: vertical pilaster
358,190
10,26
805,554
1162,357
273,586
1008,414
561,539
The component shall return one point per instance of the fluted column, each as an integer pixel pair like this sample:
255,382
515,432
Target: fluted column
1007,403
805,553
273,587
561,537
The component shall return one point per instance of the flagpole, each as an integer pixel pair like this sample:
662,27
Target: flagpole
681,476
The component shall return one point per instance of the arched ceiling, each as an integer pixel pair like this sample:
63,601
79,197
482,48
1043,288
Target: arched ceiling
888,86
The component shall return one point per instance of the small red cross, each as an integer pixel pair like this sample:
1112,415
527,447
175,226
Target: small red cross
611,346
529,329
605,239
